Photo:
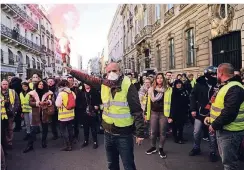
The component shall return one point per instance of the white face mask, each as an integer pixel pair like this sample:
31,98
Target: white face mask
113,76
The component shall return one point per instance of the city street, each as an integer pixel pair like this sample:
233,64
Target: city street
52,158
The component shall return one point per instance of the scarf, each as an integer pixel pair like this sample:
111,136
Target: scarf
159,94
40,93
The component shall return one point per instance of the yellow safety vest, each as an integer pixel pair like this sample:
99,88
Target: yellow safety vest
26,108
116,110
63,113
31,85
167,103
11,98
218,105
193,82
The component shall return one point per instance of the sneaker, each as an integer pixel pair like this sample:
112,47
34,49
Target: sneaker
206,139
151,151
195,152
213,157
95,145
161,153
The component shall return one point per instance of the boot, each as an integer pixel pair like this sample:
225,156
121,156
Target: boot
44,144
85,144
28,148
26,137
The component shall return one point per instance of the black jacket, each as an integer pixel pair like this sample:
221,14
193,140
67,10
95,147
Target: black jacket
179,104
200,96
232,101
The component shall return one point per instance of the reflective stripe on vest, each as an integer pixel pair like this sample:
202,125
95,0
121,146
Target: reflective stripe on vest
63,113
167,104
26,108
218,106
11,98
116,110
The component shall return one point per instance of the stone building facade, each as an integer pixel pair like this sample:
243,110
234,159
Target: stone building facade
182,38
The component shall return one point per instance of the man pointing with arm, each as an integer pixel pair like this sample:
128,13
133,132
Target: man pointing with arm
122,112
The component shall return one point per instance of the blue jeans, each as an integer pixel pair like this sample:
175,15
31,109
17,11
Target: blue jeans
229,144
116,145
198,124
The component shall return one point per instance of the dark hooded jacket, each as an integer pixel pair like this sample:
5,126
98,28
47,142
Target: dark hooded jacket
200,96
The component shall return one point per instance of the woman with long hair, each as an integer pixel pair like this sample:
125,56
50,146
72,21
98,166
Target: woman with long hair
25,106
41,100
158,112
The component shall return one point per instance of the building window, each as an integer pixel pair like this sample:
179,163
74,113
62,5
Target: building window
224,10
37,41
34,62
28,61
43,40
25,33
169,6
190,50
145,17
38,65
157,12
10,57
136,27
171,54
24,7
2,59
8,22
47,43
32,37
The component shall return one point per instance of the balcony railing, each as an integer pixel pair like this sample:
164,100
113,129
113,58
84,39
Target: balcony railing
47,32
183,6
169,14
156,25
23,14
44,48
42,27
146,31
16,36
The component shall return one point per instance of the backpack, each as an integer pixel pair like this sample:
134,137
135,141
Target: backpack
71,101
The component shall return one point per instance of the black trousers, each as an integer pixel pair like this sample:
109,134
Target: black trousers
177,128
66,130
17,121
90,122
34,129
76,123
4,128
54,124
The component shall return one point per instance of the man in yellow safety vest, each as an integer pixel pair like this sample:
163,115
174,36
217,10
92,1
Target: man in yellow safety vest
121,113
227,116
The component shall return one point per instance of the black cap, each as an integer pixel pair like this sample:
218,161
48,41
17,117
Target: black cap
210,71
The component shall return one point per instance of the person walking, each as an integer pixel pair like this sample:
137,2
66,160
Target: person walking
226,116
42,103
158,112
26,108
122,114
9,106
65,103
179,110
199,99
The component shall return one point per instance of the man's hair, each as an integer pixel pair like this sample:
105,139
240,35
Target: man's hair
190,75
63,83
129,74
226,68
168,72
70,77
36,74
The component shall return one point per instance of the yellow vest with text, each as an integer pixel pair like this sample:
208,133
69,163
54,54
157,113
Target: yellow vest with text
167,104
26,108
116,110
218,105
11,98
63,113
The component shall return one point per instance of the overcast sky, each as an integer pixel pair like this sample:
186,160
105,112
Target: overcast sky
90,37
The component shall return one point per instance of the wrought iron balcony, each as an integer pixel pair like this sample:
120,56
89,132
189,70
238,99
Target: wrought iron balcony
47,32
23,15
169,14
12,34
146,31
42,27
182,6
44,48
156,25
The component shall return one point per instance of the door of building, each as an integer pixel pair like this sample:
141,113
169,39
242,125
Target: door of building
227,49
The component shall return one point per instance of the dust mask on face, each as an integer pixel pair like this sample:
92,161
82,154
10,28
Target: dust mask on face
113,76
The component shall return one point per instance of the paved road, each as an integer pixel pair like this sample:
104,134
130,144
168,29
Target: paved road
52,158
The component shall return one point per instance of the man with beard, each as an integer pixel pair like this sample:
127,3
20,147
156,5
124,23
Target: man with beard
199,99
52,87
226,116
